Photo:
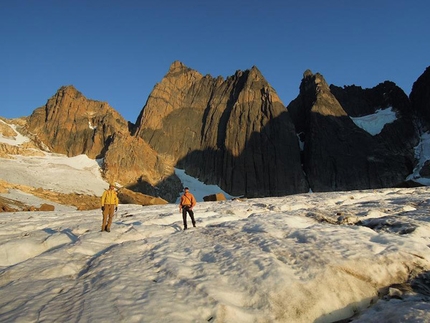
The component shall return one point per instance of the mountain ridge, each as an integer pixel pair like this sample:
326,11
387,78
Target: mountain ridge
236,133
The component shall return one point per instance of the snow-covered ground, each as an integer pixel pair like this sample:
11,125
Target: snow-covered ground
300,258
316,257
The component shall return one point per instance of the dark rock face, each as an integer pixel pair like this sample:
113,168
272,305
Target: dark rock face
420,102
420,96
339,155
235,133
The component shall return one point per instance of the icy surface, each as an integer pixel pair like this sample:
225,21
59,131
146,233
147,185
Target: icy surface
301,258
374,123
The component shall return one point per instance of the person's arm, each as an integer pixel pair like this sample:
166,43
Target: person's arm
192,201
103,200
180,204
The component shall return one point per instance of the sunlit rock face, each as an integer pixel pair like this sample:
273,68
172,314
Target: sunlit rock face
71,124
338,154
234,132
127,196
132,162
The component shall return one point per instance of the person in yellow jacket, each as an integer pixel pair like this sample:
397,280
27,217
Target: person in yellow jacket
109,205
186,205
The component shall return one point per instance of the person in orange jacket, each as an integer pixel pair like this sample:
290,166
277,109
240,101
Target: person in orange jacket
186,205
109,204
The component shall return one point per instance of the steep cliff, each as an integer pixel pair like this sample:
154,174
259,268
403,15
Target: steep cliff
235,133
420,96
339,155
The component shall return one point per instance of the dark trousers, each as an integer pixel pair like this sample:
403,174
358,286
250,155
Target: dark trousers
186,210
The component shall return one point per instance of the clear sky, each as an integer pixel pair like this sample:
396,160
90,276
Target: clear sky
116,51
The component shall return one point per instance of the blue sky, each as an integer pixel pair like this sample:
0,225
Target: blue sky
116,51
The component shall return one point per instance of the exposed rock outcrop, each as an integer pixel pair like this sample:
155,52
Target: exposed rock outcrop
6,130
127,196
12,145
235,133
131,161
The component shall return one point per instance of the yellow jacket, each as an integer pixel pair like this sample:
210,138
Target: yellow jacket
109,197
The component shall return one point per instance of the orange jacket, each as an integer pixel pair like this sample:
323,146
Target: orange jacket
187,199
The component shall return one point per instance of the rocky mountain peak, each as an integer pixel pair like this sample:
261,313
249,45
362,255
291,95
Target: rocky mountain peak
68,90
177,66
179,73
167,96
210,126
316,92
254,73
79,125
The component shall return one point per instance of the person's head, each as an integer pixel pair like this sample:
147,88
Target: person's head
186,189
111,186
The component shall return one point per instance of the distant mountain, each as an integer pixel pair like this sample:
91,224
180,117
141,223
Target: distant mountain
237,134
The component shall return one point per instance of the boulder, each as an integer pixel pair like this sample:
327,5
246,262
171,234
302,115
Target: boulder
214,197
46,207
